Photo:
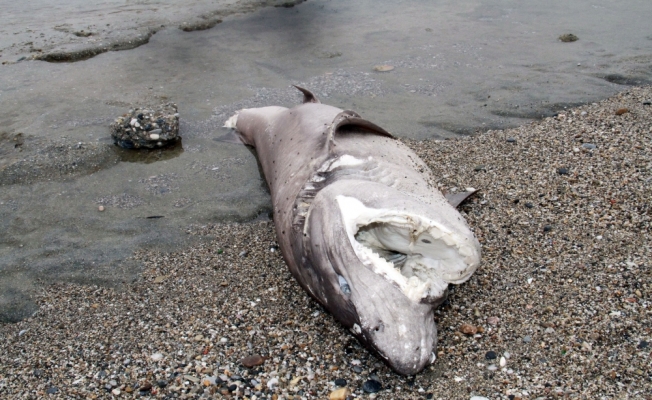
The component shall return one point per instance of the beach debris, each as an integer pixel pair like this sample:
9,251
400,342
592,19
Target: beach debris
148,128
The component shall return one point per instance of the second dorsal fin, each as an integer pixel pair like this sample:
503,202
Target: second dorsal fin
353,120
308,96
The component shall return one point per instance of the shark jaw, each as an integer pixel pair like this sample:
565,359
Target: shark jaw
419,255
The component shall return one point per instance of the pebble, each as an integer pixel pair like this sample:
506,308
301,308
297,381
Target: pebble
563,171
116,392
371,386
100,208
52,390
340,382
491,355
622,111
252,361
272,383
157,357
511,140
493,320
339,394
468,329
527,339
478,398
589,146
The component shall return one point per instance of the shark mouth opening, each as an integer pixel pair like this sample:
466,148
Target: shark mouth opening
418,254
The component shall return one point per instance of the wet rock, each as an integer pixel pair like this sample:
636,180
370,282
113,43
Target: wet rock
340,382
147,127
491,355
372,386
568,37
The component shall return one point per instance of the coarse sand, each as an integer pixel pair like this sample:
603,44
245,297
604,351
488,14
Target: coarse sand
560,307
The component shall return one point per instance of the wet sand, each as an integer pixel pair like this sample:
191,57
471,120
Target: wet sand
560,305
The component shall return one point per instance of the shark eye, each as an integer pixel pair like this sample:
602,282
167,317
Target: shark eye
344,285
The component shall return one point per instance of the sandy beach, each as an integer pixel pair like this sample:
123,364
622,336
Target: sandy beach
560,307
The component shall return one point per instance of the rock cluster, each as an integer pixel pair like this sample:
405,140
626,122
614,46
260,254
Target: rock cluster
147,128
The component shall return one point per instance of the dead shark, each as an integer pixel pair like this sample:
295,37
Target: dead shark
360,225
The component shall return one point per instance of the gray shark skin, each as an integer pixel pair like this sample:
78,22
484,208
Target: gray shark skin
360,225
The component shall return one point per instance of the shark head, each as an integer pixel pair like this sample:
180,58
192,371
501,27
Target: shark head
385,260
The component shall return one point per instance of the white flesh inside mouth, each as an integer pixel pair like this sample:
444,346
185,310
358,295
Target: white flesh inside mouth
418,254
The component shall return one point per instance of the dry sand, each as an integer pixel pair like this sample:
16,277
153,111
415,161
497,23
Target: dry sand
560,305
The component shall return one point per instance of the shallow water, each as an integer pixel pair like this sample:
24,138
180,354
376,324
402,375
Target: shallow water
458,69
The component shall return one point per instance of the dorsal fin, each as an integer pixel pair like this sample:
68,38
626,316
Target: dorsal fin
350,118
308,96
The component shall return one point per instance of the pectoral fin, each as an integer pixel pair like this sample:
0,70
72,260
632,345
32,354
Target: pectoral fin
458,198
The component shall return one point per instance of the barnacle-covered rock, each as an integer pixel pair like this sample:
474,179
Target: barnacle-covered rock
147,127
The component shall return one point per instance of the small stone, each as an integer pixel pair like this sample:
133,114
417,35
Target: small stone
491,355
233,388
100,208
191,378
339,394
157,357
480,168
492,367
478,398
154,136
503,362
643,344
340,382
547,228
529,205
563,171
272,382
493,320
622,111
589,146
145,387
357,369
113,383
161,384
568,37
511,140
383,68
586,346
252,361
371,386
468,329
116,392
52,390
527,339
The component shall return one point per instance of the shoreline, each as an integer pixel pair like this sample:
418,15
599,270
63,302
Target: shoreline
562,294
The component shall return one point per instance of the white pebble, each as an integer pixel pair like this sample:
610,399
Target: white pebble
503,362
157,357
100,208
224,340
478,398
272,382
154,136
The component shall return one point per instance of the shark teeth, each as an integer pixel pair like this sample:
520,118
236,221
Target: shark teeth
418,254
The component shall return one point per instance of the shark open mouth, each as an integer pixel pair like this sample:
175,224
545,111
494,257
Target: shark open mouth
418,254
